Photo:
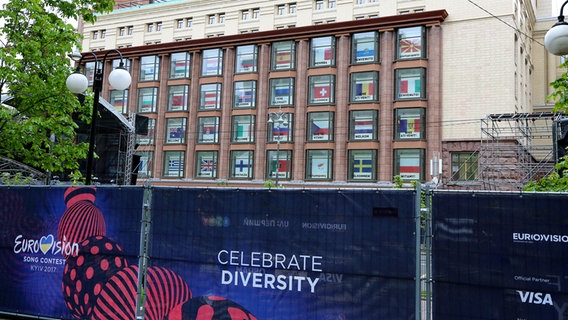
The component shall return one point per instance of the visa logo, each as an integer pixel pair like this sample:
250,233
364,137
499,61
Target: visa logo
535,297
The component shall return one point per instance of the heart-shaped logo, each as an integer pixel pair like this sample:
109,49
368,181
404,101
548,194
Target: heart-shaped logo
45,243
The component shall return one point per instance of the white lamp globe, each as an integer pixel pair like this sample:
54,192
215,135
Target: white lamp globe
77,82
119,79
556,39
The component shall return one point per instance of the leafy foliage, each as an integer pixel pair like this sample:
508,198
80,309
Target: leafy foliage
38,128
553,182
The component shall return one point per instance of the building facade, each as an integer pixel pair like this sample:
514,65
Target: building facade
323,93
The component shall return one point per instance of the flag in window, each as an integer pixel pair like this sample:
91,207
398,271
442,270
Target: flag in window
320,130
322,93
363,128
410,48
179,68
247,64
281,95
210,100
322,56
362,165
409,128
283,59
279,166
208,165
409,167
409,87
244,132
364,91
319,168
244,99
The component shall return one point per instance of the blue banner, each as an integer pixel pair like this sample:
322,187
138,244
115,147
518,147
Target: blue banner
288,254
500,256
60,246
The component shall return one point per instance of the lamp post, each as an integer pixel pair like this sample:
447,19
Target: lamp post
278,119
556,39
77,83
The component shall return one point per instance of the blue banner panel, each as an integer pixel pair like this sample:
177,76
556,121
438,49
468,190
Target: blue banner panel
500,256
59,245
289,254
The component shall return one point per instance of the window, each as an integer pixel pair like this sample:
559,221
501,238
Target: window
145,165
210,96
319,5
95,35
206,164
320,126
322,89
409,124
149,138
365,47
280,10
245,15
147,99
322,52
278,162
255,13
363,125
103,34
410,84
150,27
125,63
121,31
464,166
362,165
119,99
331,4
409,164
189,23
292,8
158,26
281,132
364,86
208,131
281,91
246,60
319,164
149,68
212,18
359,2
130,30
212,62
177,97
179,23
175,130
89,71
245,94
243,129
174,164
411,43
283,55
241,164
180,65
221,18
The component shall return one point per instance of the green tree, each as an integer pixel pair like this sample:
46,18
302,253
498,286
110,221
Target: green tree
554,181
38,128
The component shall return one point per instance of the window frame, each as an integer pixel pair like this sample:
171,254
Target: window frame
208,122
150,65
150,91
283,55
240,89
280,83
249,121
178,59
212,62
173,92
146,164
237,155
360,131
360,44
313,166
176,129
408,74
312,129
317,92
246,54
179,173
275,134
410,132
358,81
367,160
321,46
150,138
210,89
123,94
461,159
410,173
282,156
409,42
200,157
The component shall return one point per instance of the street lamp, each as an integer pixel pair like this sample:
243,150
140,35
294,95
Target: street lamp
77,83
556,39
279,119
